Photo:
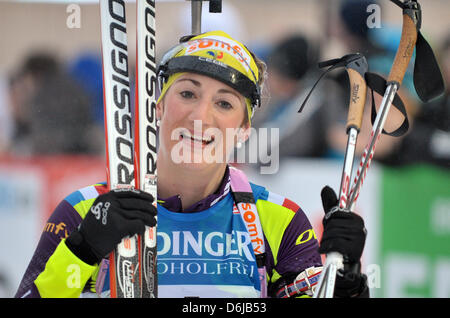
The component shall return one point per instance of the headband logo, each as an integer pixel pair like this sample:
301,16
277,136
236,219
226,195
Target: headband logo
217,55
223,45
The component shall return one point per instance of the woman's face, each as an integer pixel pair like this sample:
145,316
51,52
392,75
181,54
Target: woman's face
201,121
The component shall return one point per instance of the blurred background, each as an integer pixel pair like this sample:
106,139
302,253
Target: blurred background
52,138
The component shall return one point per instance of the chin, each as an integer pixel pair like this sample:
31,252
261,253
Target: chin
198,156
200,166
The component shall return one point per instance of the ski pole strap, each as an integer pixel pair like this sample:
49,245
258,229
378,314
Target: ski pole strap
304,282
374,81
427,76
334,63
378,84
344,61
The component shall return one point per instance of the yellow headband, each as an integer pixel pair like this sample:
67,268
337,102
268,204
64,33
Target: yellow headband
220,57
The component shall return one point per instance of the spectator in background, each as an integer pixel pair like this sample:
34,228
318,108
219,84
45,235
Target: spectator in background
23,86
350,27
319,130
52,113
289,78
86,69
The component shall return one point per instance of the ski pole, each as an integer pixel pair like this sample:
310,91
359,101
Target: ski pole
356,70
356,66
196,16
145,135
409,35
411,24
427,81
215,6
124,260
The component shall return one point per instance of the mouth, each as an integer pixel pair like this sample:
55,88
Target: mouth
203,140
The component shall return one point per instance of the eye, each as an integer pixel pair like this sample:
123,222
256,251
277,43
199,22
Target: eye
187,94
225,104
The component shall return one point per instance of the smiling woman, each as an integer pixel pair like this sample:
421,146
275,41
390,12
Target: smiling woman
197,115
210,88
218,234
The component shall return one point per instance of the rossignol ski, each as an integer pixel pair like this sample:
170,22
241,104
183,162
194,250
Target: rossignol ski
145,134
124,261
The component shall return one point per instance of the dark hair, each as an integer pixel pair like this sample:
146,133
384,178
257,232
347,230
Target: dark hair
291,57
40,65
354,15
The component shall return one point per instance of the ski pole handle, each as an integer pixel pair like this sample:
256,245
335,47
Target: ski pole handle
358,90
356,69
356,66
407,43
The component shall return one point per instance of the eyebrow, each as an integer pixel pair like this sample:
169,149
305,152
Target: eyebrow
196,83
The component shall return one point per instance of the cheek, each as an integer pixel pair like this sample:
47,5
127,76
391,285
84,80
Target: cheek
232,128
171,112
167,124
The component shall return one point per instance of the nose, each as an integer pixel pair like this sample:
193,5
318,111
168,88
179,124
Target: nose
202,110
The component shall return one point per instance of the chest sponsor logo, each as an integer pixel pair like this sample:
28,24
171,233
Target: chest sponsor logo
205,253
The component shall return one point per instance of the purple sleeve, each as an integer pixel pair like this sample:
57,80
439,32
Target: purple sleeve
298,249
60,224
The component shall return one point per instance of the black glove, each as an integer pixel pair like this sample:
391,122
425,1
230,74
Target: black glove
351,283
343,231
112,217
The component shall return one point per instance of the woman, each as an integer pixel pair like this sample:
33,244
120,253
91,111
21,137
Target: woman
217,233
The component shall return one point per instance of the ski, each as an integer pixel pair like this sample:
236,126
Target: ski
124,261
145,133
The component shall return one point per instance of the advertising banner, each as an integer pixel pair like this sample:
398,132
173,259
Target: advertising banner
415,232
30,188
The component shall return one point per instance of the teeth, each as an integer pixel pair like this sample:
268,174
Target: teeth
196,138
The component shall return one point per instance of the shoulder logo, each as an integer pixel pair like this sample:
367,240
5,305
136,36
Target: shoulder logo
306,236
57,229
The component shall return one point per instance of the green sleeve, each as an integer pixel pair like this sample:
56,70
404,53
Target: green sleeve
65,275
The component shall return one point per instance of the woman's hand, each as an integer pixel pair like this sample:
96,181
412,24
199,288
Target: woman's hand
112,217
